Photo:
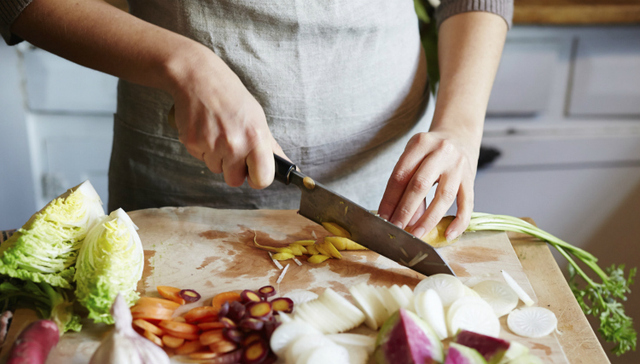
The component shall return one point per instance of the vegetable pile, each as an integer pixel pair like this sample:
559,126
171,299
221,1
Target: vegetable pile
601,299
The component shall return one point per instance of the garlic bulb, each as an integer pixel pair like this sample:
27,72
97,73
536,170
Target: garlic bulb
125,346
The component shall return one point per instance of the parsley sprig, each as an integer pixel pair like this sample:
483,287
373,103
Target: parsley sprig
602,300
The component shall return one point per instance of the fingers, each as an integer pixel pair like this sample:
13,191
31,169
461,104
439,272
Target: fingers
465,208
261,167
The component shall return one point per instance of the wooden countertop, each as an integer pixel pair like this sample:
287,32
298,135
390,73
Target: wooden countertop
576,12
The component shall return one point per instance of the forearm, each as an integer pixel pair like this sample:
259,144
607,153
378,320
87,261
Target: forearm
470,46
100,36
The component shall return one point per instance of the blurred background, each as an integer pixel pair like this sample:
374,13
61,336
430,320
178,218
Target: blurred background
561,142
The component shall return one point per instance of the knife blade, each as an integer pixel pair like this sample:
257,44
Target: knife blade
320,204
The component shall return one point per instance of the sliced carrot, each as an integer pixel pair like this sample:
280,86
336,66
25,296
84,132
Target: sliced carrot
198,313
182,335
153,337
189,347
203,355
172,341
171,293
219,299
147,326
179,319
206,326
151,312
155,301
179,327
208,319
222,346
211,336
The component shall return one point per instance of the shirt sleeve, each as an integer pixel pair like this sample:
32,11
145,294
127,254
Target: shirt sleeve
448,8
9,11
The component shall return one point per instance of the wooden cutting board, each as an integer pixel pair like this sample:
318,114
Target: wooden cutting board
212,251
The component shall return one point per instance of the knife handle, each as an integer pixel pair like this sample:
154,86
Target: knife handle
283,169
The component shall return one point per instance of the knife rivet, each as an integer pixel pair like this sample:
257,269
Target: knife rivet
309,183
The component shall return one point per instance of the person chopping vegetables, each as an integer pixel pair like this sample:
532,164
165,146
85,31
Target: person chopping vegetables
339,87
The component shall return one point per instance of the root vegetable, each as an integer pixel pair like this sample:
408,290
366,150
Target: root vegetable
171,293
267,291
189,295
517,289
34,343
223,297
499,295
249,296
199,313
448,287
260,310
317,258
172,342
336,229
282,304
147,326
532,322
154,301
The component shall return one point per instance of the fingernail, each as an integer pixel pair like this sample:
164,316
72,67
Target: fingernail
384,216
419,232
451,236
398,224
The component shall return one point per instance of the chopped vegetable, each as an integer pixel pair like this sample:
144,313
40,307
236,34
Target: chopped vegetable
517,289
436,237
172,342
189,347
301,296
299,263
250,323
123,345
305,242
282,304
152,337
277,263
110,262
267,291
448,287
227,323
260,310
149,312
154,301
46,247
256,352
34,343
189,295
281,277
171,293
147,326
233,335
210,337
283,256
602,300
317,258
217,325
52,303
236,310
223,297
287,333
532,322
370,304
429,308
499,295
330,249
249,296
336,229
472,314
197,314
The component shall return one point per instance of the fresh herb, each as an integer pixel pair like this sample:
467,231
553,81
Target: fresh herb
602,300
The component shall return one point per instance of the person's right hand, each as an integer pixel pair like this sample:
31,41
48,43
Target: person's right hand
222,124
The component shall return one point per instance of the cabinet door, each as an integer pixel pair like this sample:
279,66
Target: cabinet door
606,80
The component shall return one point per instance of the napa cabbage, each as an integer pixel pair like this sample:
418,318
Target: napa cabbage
46,247
110,262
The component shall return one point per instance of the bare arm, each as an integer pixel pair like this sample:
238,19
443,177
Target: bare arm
470,46
219,120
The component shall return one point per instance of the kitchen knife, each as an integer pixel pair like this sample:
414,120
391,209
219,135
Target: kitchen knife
320,204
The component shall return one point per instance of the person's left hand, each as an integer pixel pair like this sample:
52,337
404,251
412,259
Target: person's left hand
442,157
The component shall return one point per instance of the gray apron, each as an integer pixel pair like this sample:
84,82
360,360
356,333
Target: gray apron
342,82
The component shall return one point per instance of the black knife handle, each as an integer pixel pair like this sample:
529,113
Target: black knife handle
283,169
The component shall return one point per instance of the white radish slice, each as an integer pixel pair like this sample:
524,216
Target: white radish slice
389,303
334,354
366,305
399,296
284,318
380,311
448,287
462,301
300,296
532,322
475,317
307,315
499,295
324,318
350,314
354,340
286,333
470,292
357,354
304,344
517,289
429,308
409,293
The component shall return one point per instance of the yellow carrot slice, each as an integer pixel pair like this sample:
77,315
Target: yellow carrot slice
312,249
302,249
318,258
304,242
333,252
336,229
283,256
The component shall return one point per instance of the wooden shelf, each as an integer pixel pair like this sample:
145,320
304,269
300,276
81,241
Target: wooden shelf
576,12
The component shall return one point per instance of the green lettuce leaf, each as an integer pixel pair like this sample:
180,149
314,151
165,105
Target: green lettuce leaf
52,303
110,262
46,247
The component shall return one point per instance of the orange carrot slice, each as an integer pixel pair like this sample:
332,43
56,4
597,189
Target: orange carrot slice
155,301
171,293
222,346
206,326
153,337
223,297
179,327
199,313
211,336
189,347
172,341
151,312
148,326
